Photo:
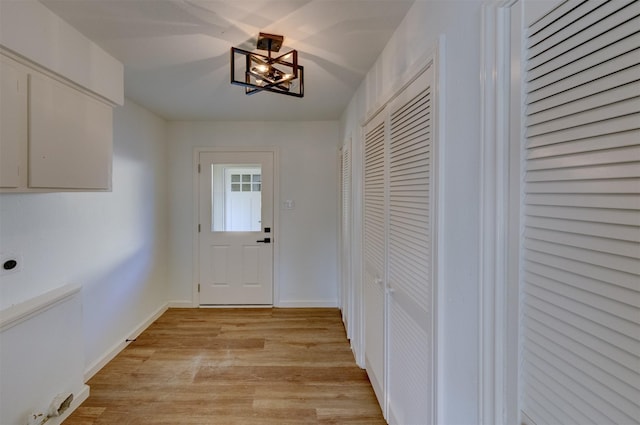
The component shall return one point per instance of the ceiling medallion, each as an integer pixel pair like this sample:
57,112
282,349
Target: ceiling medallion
258,72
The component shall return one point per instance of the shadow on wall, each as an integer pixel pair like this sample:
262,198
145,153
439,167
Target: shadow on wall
118,298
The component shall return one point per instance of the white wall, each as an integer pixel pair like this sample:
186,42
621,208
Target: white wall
113,244
307,268
459,22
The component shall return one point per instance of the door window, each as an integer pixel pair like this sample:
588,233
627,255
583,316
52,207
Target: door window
236,197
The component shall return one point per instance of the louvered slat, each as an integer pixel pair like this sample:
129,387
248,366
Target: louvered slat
374,199
612,279
558,29
597,114
586,283
552,97
591,158
580,323
571,369
581,76
611,22
622,123
626,217
553,21
582,146
409,172
591,102
600,201
410,367
626,170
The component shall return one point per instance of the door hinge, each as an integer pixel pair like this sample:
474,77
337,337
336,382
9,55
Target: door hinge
198,168
198,287
198,228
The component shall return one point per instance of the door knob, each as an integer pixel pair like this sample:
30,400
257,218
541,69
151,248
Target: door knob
265,240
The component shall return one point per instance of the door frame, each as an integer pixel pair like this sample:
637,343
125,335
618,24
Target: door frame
275,239
502,110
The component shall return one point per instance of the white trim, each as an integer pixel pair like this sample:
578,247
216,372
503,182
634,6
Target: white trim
309,304
18,313
357,263
118,347
402,82
180,304
195,252
231,306
497,346
438,299
276,214
34,67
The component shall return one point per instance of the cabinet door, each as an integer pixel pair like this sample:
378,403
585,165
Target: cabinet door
70,137
13,124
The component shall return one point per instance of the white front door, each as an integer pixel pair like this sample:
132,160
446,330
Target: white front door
236,228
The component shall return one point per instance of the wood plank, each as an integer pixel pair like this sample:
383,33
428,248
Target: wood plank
234,366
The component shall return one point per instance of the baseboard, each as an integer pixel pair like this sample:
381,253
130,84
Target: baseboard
78,399
181,304
308,304
282,304
117,348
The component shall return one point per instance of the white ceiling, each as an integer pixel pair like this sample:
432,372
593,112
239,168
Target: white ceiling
176,52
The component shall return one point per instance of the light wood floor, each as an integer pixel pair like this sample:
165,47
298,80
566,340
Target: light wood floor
234,366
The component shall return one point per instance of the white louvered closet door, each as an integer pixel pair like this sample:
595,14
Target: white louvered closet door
580,327
346,288
374,252
410,318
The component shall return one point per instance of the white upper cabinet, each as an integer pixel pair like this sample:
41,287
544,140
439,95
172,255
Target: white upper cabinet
70,137
55,138
13,125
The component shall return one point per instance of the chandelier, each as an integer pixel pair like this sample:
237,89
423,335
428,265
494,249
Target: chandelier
280,74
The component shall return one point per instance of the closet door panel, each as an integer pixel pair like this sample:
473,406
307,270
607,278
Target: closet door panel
580,296
375,252
410,283
346,298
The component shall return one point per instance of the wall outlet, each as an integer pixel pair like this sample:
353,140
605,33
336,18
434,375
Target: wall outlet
10,263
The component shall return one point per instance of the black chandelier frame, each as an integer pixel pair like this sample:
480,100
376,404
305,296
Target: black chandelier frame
267,73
